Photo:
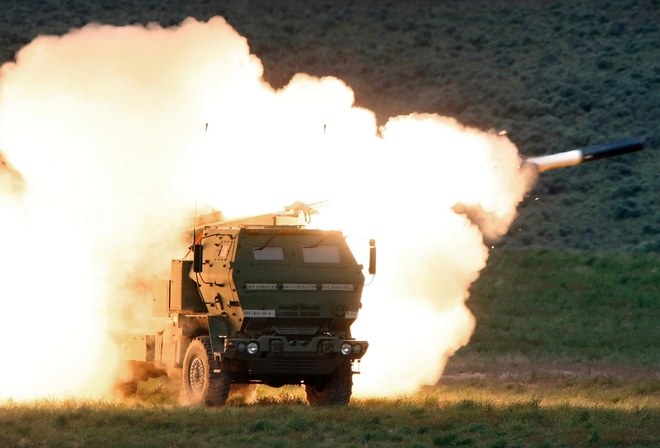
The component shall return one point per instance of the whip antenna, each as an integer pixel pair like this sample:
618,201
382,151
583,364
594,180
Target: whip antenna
195,240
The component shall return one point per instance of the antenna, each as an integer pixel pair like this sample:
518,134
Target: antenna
195,240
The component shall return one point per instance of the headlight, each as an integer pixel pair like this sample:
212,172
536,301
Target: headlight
241,347
252,348
357,349
346,348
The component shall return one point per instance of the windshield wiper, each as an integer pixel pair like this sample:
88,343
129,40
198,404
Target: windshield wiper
313,246
267,242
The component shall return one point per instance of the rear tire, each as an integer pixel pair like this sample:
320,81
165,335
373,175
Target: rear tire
202,386
335,389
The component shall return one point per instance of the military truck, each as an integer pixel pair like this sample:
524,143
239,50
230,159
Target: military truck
263,300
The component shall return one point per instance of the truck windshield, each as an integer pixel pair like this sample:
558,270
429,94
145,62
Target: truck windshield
321,254
268,253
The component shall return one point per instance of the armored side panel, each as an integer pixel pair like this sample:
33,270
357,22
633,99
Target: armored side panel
169,347
136,347
161,300
184,295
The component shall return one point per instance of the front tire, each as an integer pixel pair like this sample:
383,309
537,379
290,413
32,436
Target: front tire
335,389
200,384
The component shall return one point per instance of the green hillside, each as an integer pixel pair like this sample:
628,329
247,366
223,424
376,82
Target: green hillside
556,75
542,309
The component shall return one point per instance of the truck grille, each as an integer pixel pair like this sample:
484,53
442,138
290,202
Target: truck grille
294,365
299,311
289,330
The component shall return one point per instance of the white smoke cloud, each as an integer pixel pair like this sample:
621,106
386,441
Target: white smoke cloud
107,127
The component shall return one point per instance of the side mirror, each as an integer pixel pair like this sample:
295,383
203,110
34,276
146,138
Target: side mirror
372,257
198,257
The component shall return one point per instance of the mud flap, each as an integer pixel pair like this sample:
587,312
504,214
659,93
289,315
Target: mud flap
218,331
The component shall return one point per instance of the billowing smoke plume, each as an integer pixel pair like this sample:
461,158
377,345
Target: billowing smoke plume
112,138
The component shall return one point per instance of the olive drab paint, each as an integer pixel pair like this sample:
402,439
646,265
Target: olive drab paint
268,304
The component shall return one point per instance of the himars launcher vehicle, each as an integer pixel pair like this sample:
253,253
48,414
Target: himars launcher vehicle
262,302
258,304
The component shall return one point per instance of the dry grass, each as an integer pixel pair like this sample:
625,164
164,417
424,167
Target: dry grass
469,412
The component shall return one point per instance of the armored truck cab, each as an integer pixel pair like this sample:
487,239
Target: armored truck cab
267,304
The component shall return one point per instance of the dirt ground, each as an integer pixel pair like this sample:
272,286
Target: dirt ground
524,369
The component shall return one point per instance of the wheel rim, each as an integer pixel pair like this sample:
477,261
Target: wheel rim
318,394
319,389
196,374
320,386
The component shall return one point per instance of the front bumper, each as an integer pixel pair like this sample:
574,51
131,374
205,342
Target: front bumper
277,355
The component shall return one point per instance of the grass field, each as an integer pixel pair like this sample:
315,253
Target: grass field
567,307
448,416
565,354
487,412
